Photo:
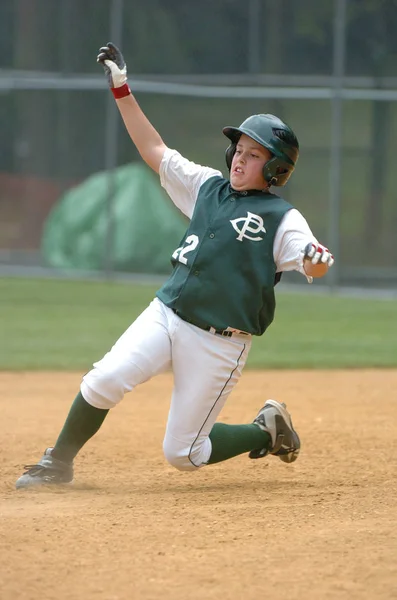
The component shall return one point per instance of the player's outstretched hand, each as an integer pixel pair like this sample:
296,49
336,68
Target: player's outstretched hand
318,254
114,65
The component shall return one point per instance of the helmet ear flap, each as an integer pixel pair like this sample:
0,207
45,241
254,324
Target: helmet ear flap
229,153
270,179
277,172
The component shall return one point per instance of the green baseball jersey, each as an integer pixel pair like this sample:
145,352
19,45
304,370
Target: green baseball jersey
224,269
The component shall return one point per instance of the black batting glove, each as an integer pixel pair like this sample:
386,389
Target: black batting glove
113,64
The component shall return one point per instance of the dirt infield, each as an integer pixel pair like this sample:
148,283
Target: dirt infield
134,528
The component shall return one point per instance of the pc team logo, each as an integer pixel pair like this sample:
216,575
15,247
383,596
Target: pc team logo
249,224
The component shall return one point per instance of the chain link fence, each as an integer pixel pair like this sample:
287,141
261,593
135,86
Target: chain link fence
329,69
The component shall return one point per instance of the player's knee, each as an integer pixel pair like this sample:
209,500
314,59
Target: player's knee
180,461
183,457
102,390
111,378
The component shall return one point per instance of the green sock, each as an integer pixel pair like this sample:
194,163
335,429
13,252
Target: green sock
231,440
82,422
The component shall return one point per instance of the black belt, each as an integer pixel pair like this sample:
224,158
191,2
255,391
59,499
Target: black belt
209,328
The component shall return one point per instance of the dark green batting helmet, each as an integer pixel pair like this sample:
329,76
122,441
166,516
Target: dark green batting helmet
272,133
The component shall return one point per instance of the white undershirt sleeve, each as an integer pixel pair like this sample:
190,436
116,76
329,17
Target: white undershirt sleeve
182,179
293,234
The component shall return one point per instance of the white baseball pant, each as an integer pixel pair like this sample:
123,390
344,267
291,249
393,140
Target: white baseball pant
206,368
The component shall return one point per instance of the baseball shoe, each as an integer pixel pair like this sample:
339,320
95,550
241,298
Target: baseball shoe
276,420
48,470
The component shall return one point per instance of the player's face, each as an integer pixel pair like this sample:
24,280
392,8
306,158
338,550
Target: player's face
246,172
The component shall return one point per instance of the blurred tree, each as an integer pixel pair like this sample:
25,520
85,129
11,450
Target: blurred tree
371,35
33,129
153,38
7,30
310,39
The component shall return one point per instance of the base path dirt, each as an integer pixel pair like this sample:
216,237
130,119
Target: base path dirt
132,527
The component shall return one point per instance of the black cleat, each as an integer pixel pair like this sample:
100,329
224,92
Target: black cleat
47,471
276,420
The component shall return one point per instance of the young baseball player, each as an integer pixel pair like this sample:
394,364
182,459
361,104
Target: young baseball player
220,293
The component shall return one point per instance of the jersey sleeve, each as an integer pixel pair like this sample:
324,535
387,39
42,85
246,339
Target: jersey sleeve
182,179
293,234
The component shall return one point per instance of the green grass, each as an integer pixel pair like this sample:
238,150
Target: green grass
52,324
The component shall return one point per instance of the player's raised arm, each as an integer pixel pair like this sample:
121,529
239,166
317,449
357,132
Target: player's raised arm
145,137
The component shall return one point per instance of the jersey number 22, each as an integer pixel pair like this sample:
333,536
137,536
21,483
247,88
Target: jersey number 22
189,245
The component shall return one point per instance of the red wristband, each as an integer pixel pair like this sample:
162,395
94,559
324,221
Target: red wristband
121,92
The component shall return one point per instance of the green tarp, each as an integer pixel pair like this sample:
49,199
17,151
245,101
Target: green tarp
146,225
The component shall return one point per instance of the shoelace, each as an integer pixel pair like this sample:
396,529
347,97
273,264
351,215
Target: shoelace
34,468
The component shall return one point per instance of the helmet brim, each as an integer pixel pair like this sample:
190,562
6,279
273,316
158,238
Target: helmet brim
235,133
